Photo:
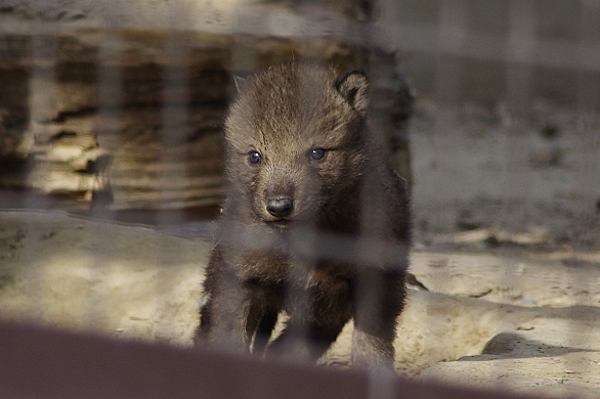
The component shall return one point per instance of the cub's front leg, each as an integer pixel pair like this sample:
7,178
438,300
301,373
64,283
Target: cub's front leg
378,302
225,306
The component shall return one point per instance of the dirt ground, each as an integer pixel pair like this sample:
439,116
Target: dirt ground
526,320
507,240
477,167
506,217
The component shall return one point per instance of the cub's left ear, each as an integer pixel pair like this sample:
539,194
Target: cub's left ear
354,87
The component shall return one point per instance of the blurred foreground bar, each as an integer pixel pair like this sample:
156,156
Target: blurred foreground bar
40,363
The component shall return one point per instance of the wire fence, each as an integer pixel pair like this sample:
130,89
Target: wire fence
115,114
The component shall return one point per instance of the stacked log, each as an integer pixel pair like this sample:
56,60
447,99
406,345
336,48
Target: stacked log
131,119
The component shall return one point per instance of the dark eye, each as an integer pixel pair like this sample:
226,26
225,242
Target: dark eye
254,157
317,153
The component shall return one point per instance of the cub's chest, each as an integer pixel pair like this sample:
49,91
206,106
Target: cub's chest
277,269
265,267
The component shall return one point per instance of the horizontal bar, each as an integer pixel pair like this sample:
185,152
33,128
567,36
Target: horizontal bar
41,363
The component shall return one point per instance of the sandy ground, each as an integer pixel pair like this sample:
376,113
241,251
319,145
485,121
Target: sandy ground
478,167
513,303
520,320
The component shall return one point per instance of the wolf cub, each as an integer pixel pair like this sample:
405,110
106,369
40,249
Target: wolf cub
316,222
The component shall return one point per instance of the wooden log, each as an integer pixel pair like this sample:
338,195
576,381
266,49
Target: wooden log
154,141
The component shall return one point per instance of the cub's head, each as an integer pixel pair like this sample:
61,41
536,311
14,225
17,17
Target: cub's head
294,139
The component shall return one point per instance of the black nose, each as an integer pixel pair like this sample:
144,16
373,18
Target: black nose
280,206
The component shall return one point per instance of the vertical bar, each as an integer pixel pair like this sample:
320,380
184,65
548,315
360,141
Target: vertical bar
297,295
520,46
42,95
174,130
451,38
176,97
109,104
108,137
231,233
109,125
588,131
371,259
519,51
588,82
42,109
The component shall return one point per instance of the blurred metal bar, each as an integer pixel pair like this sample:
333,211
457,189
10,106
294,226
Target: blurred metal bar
424,39
176,99
39,363
588,84
588,131
42,108
452,37
404,37
520,47
42,99
109,121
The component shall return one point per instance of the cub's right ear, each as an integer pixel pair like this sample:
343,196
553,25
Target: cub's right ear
354,87
239,82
